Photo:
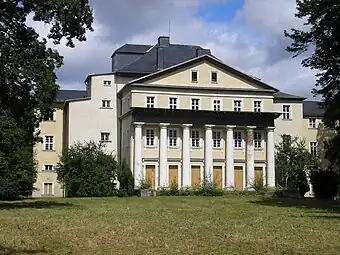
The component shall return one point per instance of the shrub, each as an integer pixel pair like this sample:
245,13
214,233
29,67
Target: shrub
85,170
257,185
125,177
144,184
325,184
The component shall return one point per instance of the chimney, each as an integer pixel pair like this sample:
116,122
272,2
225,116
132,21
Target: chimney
163,42
201,52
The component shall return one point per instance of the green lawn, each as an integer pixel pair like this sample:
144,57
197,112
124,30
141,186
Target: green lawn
169,225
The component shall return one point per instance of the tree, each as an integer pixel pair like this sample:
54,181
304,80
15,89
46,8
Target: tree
292,159
28,81
86,170
319,41
125,178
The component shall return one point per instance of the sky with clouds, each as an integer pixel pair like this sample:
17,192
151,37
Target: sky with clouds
246,34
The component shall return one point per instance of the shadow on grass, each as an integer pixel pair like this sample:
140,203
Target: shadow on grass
308,203
11,251
33,204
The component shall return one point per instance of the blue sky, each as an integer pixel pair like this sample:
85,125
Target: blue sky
224,11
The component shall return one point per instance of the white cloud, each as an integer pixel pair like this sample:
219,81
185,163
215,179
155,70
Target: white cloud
253,42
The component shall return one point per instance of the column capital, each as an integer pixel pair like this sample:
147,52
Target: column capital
270,128
138,123
251,127
164,125
209,126
187,125
230,127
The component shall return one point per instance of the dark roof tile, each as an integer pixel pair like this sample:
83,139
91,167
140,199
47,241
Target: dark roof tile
283,95
312,109
65,94
133,48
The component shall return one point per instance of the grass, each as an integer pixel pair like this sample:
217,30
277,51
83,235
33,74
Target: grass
169,225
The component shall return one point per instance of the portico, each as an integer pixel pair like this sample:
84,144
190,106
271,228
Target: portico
234,159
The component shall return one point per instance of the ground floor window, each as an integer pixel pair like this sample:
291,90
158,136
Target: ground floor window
48,188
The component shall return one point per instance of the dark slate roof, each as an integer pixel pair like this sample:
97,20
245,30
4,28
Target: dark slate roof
65,94
283,95
312,109
133,48
173,55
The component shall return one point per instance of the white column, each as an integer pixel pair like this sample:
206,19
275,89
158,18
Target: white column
186,156
208,154
270,157
250,156
230,158
138,169
163,156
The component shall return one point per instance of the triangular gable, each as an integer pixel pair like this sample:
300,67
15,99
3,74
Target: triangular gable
228,77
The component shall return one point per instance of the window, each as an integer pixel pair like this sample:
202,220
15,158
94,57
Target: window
195,138
150,102
107,83
313,148
49,116
172,137
216,139
104,136
106,103
195,104
217,105
237,139
257,106
194,76
48,189
214,77
150,137
312,123
286,112
49,143
173,102
237,105
257,140
48,168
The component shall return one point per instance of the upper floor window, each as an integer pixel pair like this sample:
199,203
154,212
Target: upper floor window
48,168
257,106
237,105
49,143
107,83
49,116
194,76
150,137
173,102
104,136
106,103
172,137
313,148
216,139
195,138
213,77
312,123
150,102
286,114
217,105
237,139
195,104
257,140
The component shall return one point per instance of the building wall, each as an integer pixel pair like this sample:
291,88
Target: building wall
49,128
293,126
310,134
87,118
225,80
138,99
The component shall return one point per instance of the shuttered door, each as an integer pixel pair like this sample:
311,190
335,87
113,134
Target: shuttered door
150,175
258,172
218,176
195,176
173,175
238,175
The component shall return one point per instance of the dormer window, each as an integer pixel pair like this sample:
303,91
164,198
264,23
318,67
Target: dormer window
194,76
213,77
